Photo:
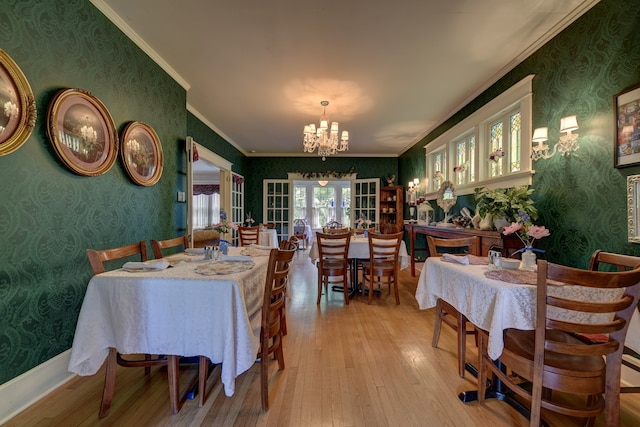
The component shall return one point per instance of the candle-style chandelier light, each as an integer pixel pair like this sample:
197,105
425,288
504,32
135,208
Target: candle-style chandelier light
323,138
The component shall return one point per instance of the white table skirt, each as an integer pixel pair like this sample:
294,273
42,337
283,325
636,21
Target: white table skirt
176,312
359,249
490,304
269,237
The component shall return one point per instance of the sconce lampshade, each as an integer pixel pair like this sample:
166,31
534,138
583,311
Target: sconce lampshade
568,124
540,135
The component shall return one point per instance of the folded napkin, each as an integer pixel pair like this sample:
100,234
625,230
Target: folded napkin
198,251
158,265
236,258
263,247
456,258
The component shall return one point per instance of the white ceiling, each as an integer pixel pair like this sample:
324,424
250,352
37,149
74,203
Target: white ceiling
256,71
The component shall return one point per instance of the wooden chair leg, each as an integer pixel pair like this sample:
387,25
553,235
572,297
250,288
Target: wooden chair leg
345,287
462,341
264,380
438,325
370,287
482,369
395,289
319,285
109,383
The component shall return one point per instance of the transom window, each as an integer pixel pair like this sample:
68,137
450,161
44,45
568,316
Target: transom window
485,149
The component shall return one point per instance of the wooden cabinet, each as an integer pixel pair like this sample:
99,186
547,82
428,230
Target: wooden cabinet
390,205
487,239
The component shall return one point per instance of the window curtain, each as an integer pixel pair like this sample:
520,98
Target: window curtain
206,210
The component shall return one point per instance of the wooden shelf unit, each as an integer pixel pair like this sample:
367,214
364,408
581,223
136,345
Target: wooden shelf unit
391,210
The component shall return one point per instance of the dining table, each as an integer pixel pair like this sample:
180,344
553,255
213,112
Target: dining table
359,250
193,307
269,237
491,299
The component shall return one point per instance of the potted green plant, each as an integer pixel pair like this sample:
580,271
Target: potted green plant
505,203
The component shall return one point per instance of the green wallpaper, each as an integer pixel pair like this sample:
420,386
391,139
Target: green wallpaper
260,168
203,135
581,199
48,215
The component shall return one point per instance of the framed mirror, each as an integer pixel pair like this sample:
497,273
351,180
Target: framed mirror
18,114
446,200
633,208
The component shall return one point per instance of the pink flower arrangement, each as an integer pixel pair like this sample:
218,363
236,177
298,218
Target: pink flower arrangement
527,233
361,221
495,155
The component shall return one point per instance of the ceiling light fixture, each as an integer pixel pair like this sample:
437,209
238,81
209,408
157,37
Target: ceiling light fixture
323,183
567,143
323,138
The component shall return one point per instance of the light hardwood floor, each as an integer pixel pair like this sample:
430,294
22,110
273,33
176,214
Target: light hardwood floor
355,365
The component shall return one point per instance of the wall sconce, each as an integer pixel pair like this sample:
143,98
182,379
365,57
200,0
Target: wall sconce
323,183
567,143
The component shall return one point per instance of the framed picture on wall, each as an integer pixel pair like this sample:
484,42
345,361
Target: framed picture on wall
626,107
17,106
141,153
82,132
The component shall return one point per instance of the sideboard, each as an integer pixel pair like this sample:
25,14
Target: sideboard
487,239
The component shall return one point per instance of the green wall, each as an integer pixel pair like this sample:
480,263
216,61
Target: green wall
48,215
581,199
261,168
206,137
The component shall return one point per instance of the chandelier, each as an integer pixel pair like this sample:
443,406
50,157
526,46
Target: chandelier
323,138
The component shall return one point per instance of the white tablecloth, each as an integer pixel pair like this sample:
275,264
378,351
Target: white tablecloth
490,304
269,237
359,249
175,311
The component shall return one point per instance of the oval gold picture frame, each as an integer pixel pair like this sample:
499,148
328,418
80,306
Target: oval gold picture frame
17,106
141,153
82,132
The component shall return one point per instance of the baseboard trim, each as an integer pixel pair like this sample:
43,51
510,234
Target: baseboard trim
26,389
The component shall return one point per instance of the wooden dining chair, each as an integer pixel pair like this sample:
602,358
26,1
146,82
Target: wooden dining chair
341,230
272,314
269,225
333,262
553,359
159,245
608,261
445,312
287,245
383,266
271,324
249,235
97,259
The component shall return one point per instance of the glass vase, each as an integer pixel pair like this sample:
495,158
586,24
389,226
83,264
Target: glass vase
528,261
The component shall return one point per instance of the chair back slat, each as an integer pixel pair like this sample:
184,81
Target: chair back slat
591,302
97,258
249,235
159,245
333,246
437,246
